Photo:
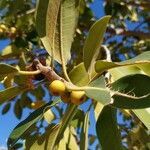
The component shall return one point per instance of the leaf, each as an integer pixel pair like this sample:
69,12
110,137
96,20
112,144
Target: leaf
46,26
18,109
66,25
79,76
98,91
6,108
7,69
8,94
22,127
141,59
49,116
143,115
120,72
84,133
107,130
137,85
94,40
57,29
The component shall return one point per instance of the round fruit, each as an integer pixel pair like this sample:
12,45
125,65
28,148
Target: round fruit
37,104
77,97
66,97
3,27
13,30
57,87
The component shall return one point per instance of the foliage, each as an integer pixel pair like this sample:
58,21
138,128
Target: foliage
63,40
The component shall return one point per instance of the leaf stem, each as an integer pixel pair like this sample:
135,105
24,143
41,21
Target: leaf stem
29,72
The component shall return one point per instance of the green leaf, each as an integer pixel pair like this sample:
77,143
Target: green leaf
66,25
8,94
84,133
6,108
94,40
7,69
98,91
22,127
143,115
46,26
120,72
142,59
137,85
57,28
79,76
18,109
107,130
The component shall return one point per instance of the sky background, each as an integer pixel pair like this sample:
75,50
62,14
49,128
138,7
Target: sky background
9,121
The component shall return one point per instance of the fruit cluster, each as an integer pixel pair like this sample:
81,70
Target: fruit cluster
58,88
10,32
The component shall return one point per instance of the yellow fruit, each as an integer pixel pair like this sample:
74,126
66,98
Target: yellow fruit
3,27
13,30
57,87
1,31
66,97
37,104
77,97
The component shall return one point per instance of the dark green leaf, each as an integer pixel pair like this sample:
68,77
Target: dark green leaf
18,109
107,130
6,108
137,85
84,133
94,40
8,94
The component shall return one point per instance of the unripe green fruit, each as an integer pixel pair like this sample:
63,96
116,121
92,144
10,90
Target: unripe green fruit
77,97
57,88
66,97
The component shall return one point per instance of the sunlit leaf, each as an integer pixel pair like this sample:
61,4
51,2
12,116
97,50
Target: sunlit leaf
141,59
79,76
98,91
46,26
107,130
143,115
94,40
66,25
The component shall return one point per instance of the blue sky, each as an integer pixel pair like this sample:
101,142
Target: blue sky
9,121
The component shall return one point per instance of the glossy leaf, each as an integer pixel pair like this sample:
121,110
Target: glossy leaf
94,40
141,59
23,126
84,133
98,91
79,76
7,69
107,130
137,85
8,94
143,115
49,116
